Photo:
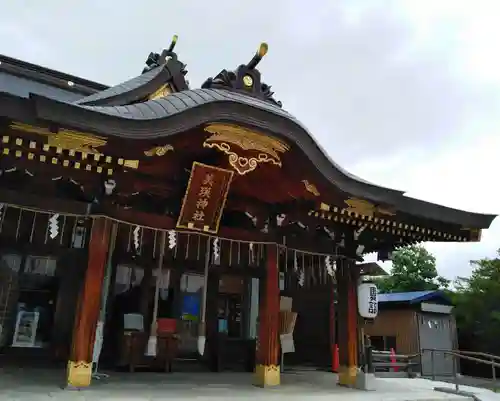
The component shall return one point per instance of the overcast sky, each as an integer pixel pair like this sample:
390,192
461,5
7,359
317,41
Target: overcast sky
402,93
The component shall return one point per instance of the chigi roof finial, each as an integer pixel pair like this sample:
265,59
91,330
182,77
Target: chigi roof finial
263,48
245,78
155,60
170,51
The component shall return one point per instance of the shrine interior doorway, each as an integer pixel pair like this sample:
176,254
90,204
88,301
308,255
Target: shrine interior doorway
38,297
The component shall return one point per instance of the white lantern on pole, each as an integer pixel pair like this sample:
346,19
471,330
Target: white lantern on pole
368,300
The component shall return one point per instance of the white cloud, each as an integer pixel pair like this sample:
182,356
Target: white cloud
462,176
461,32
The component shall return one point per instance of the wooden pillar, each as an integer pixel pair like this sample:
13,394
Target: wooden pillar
267,369
79,370
347,278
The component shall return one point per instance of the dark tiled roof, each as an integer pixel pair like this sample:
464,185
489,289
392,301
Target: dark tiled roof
130,91
180,101
55,79
23,87
188,109
92,106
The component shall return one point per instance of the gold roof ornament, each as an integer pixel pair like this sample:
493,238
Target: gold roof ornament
261,52
65,139
360,206
80,147
246,148
311,188
248,80
159,150
162,91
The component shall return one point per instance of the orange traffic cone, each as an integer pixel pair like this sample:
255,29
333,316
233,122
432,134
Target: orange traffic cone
335,359
393,360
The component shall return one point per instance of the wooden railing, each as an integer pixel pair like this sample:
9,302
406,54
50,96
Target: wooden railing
385,362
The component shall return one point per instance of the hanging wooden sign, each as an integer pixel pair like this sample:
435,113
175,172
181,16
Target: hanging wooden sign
205,198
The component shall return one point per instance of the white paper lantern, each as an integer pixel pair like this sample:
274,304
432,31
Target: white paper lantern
368,300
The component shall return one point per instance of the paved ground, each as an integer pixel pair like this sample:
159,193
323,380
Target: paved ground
38,385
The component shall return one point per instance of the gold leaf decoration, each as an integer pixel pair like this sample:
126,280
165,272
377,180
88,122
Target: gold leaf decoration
78,144
366,208
65,139
254,147
360,206
159,150
311,188
131,164
162,91
324,207
385,211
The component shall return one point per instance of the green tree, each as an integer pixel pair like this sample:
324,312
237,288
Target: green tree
413,269
477,301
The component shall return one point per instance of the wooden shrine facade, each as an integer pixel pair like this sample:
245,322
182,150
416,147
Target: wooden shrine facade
110,172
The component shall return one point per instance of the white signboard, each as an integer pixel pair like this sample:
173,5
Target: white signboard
26,328
436,308
368,300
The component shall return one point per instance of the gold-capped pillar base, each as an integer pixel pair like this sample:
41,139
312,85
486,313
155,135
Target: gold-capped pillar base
347,375
79,374
267,375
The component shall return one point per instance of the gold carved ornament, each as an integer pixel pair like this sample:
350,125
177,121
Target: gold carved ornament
362,207
234,140
311,188
79,374
248,81
159,150
267,375
162,91
348,375
66,139
357,207
72,141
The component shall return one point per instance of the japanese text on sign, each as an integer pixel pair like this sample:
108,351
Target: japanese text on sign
203,197
373,301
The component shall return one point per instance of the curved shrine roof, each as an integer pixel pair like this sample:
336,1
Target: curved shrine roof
129,111
184,110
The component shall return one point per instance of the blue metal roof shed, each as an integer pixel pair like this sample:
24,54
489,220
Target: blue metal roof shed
415,297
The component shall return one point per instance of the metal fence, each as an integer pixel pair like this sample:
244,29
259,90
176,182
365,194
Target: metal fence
457,379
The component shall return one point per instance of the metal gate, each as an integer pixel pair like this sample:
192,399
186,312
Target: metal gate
436,332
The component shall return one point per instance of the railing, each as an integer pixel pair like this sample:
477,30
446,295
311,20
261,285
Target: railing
457,355
387,362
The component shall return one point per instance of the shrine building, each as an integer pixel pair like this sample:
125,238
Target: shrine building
150,223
